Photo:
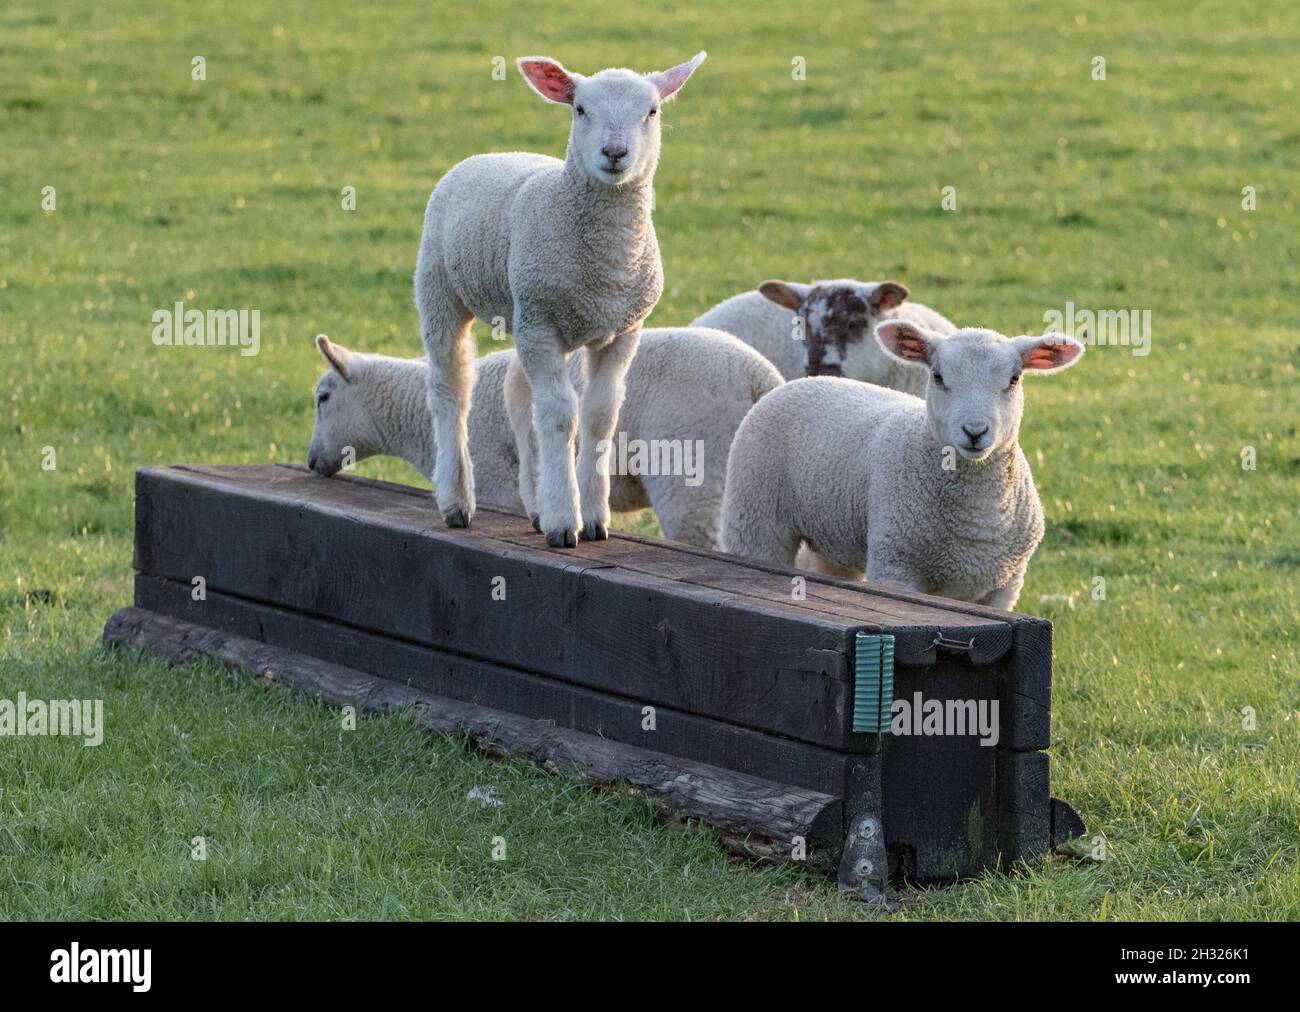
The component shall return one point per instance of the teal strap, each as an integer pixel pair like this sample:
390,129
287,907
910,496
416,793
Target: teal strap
873,683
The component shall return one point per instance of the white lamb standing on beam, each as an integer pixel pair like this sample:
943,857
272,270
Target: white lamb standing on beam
825,328
565,253
687,391
928,495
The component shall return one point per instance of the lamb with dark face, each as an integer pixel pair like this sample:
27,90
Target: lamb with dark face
825,328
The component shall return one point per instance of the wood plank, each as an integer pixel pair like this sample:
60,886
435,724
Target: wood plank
745,808
1022,642
914,627
941,791
929,782
664,643
1024,806
687,735
675,561
1025,682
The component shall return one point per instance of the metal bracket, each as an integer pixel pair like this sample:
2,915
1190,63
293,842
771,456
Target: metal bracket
955,646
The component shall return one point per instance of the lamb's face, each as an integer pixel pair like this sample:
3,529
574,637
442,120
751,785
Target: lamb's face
614,138
344,427
839,318
973,400
615,134
337,408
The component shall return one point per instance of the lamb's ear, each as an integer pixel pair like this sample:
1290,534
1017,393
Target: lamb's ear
669,81
1050,352
336,355
888,295
904,339
786,294
549,79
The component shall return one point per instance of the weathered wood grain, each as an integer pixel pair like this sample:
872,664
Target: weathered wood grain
645,637
940,791
1024,806
743,675
525,693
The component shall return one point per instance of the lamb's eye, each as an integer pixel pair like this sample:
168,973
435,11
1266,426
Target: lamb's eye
652,112
1014,380
322,397
938,378
580,111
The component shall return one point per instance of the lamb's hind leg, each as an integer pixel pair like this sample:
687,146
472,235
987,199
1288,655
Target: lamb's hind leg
601,400
519,409
444,326
752,525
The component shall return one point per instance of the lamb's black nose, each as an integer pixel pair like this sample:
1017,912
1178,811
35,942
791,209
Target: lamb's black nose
973,433
613,154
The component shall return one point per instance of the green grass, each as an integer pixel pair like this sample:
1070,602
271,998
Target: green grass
226,193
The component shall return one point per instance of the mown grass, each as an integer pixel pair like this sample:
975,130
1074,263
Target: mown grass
1122,193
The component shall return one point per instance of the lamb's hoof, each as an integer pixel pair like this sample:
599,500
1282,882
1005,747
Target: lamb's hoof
561,539
594,530
456,518
536,522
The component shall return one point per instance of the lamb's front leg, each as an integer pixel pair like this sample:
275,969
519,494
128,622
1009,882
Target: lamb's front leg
892,572
1006,596
601,401
555,411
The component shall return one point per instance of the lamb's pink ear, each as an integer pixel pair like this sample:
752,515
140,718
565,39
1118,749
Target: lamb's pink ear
1050,352
906,340
888,295
669,81
549,79
783,293
336,355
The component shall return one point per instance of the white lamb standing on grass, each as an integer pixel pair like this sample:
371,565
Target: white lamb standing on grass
685,384
928,495
565,254
834,337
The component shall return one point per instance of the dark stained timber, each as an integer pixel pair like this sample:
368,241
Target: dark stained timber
633,658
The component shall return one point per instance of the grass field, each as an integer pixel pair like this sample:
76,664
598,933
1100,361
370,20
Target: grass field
1118,193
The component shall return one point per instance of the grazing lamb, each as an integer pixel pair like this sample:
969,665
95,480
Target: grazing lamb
565,253
835,336
380,405
684,385
928,495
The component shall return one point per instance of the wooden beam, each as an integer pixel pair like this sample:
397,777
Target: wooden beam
691,736
371,561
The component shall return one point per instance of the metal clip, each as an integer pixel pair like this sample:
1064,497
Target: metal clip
956,646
